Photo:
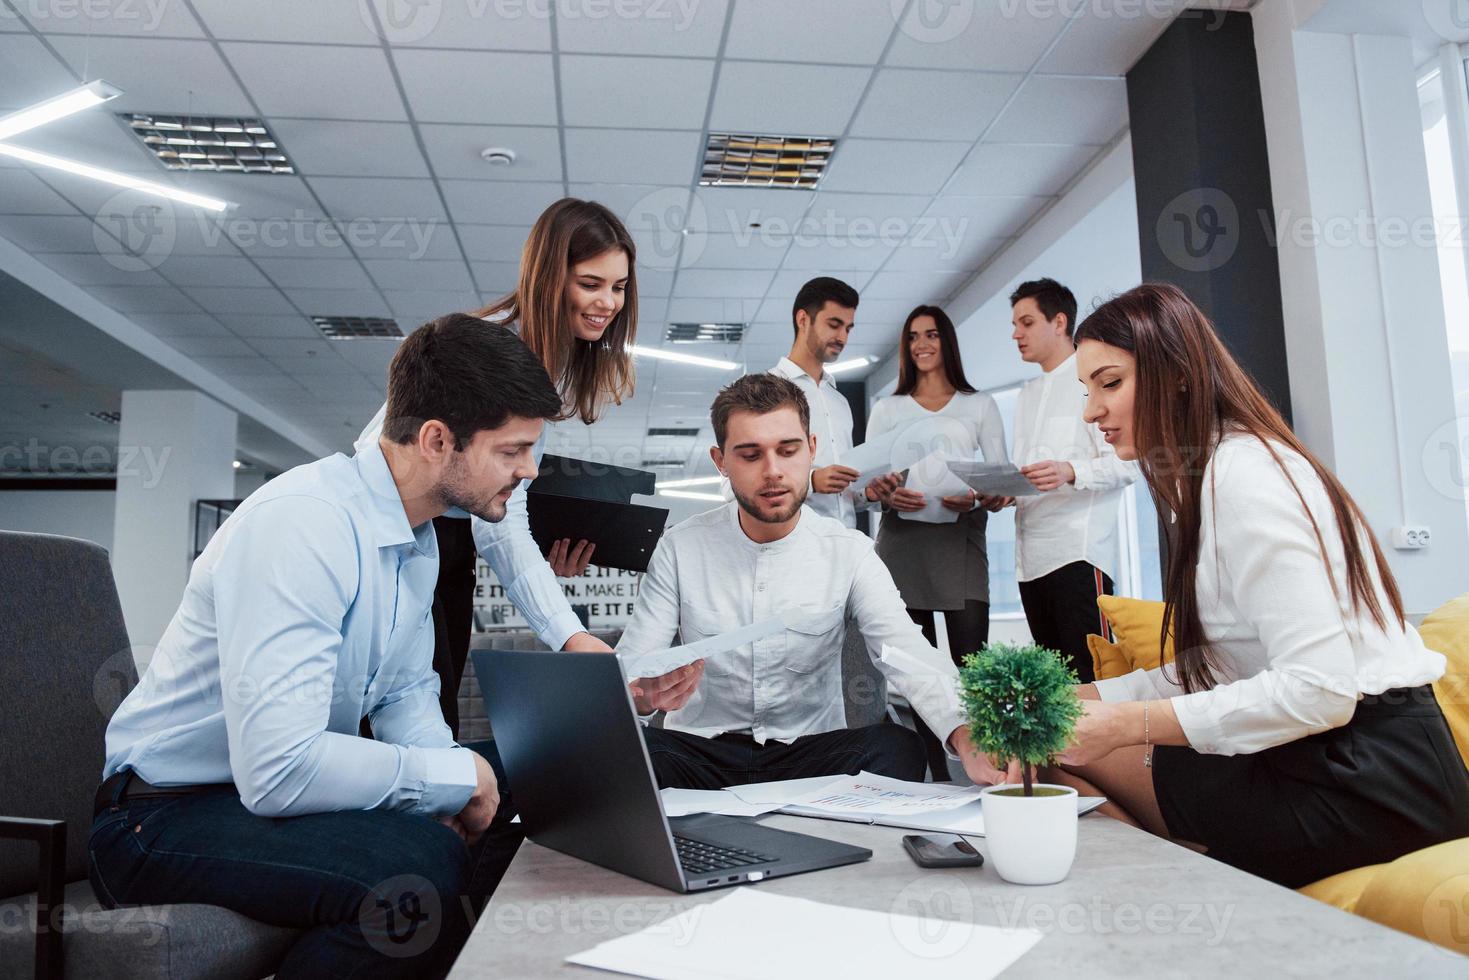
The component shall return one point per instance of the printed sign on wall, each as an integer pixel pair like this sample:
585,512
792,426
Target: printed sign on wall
608,594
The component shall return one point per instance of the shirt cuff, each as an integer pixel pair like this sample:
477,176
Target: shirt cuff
562,627
445,778
1129,687
1199,725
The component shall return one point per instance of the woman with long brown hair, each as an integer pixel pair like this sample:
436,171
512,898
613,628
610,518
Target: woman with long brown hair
576,307
1295,734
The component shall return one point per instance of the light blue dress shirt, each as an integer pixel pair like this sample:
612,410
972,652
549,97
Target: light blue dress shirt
513,555
310,609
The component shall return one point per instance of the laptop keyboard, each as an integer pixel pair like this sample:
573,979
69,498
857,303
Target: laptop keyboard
699,858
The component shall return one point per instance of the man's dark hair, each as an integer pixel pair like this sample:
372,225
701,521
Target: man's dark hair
760,394
1051,297
468,374
814,295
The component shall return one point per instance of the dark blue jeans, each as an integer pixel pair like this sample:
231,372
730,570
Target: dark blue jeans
695,762
376,893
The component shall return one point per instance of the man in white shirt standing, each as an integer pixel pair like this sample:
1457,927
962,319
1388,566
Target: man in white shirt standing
773,709
1066,537
823,316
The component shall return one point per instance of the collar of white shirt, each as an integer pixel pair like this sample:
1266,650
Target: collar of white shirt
788,368
384,505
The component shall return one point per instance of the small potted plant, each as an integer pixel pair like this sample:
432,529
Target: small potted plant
1022,705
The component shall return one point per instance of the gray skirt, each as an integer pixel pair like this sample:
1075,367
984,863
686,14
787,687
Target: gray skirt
936,566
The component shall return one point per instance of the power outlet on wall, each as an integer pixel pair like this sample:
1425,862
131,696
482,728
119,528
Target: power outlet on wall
1410,538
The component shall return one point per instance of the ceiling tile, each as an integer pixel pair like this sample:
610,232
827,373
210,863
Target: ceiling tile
211,270
316,81
642,28
733,209
48,233
713,310
144,299
1108,41
336,302
516,25
914,287
100,19
495,278
851,31
1019,168
985,35
401,238
908,104
841,252
423,274
252,325
219,299
211,346
497,244
286,239
785,99
489,202
316,274
420,306
478,86
321,21
91,269
983,217
98,138
1056,109
30,73
662,93
379,198
180,324
233,367
631,156
350,149
747,249
720,283
454,151
834,212
894,166
132,63
22,192
946,249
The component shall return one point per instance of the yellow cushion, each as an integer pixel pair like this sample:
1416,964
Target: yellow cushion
1446,630
1136,624
1342,890
1425,894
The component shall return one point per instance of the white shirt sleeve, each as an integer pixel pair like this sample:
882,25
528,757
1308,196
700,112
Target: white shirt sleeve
530,585
1278,581
655,614
879,612
991,431
1102,470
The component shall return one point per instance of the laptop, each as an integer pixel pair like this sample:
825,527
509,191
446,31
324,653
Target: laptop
581,780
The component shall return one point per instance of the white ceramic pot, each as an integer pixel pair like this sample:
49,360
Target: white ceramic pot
1032,839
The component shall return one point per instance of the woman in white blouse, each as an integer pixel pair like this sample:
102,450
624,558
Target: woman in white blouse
1295,735
938,566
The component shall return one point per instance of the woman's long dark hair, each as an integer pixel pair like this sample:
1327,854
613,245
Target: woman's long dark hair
588,375
1188,392
948,343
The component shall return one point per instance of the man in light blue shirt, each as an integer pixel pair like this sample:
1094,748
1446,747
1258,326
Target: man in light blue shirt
235,771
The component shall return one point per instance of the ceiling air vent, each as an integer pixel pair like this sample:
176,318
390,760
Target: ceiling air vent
662,463
111,418
235,144
357,327
700,333
684,433
765,161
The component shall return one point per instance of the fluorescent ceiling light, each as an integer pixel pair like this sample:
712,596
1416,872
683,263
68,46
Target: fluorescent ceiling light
696,481
89,95
113,177
852,365
691,495
638,350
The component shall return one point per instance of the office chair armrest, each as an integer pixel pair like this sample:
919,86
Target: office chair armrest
50,837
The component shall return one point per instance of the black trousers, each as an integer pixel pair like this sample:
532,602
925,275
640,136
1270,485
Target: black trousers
453,611
968,629
687,761
1061,609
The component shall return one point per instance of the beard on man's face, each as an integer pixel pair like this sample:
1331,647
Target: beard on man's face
490,506
761,512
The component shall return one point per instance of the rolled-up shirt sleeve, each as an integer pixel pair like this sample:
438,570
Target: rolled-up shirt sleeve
513,555
1271,565
1102,469
878,609
280,600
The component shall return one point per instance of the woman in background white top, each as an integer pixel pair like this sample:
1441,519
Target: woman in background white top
1295,735
939,566
575,306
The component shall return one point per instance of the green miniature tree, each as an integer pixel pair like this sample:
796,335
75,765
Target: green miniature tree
1021,702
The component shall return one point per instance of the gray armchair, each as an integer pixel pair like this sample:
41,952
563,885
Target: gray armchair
65,665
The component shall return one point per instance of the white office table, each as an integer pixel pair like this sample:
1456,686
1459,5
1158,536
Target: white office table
1133,906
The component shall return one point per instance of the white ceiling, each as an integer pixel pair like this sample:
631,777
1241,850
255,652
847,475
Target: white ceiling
954,133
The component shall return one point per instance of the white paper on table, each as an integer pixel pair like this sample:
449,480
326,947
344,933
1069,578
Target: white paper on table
682,802
932,477
992,479
869,793
656,663
777,792
801,938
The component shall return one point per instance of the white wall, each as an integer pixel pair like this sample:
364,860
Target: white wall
86,514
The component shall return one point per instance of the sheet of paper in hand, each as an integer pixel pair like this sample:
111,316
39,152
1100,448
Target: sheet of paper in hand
656,663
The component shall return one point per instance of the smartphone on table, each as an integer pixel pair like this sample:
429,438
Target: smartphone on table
941,851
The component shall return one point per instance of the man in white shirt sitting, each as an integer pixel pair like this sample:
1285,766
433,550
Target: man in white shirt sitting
1066,537
773,709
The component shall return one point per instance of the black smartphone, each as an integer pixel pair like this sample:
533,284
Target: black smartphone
941,851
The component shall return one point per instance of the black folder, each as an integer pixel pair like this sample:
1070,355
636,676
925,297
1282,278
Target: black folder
579,499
